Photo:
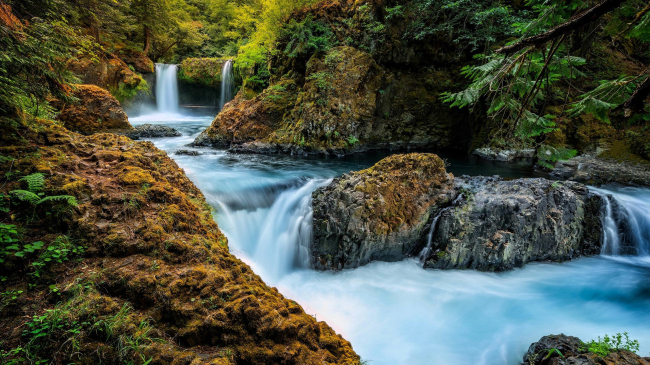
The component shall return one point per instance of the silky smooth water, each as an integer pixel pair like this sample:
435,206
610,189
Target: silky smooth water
398,313
227,84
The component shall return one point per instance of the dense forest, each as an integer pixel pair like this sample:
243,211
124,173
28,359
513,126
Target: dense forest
110,253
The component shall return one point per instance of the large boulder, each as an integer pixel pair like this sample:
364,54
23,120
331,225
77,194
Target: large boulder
568,350
380,213
246,119
95,111
503,224
153,131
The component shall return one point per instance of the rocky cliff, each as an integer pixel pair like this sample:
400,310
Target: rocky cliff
141,273
371,89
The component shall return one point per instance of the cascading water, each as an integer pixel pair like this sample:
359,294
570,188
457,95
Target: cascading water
227,84
398,313
626,221
166,88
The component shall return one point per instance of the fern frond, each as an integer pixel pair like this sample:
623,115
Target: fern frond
25,196
70,200
35,182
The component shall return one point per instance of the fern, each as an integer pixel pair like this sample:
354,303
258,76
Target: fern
25,196
70,200
35,182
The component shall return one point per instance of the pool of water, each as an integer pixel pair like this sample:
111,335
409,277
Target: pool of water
398,313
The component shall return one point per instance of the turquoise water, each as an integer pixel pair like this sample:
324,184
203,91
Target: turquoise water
398,313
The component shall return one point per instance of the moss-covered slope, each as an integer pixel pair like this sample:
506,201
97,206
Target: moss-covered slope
143,273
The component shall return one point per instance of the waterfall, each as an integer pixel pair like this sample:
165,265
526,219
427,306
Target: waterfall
227,84
625,216
424,254
166,88
278,235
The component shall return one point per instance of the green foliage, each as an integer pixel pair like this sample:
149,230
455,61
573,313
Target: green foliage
606,345
608,95
34,193
206,71
352,140
307,37
321,80
32,61
60,250
469,23
547,155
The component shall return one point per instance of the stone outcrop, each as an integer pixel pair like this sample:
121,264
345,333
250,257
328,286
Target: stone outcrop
342,101
596,171
504,224
113,74
379,213
568,350
154,266
153,131
95,111
386,213
504,155
245,120
138,60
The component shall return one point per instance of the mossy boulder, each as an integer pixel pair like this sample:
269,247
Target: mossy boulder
138,60
380,213
246,119
110,73
204,71
95,111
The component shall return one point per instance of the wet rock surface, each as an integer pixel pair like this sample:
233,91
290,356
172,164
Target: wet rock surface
501,224
504,155
595,171
568,350
96,111
153,131
379,213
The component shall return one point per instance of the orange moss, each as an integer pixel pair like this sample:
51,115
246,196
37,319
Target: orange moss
158,251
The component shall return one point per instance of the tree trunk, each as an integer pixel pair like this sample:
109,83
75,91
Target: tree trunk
147,40
577,21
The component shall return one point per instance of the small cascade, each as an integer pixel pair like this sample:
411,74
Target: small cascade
432,229
166,88
227,84
625,217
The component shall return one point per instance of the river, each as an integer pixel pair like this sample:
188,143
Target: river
398,313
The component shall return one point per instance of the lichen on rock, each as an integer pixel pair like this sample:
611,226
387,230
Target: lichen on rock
379,213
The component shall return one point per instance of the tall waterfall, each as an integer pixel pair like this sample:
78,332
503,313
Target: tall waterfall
166,88
626,221
227,84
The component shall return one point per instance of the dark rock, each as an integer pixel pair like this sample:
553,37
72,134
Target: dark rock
188,152
153,131
568,350
379,213
595,171
505,224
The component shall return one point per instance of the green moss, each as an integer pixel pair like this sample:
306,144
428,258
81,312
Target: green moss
204,71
